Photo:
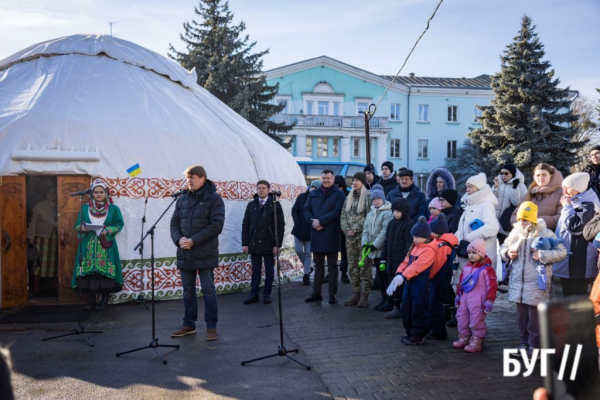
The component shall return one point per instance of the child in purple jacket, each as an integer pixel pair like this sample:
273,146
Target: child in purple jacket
475,296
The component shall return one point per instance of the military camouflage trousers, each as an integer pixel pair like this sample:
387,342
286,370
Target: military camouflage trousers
361,278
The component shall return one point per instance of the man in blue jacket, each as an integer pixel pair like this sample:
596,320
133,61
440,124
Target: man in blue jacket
411,192
323,209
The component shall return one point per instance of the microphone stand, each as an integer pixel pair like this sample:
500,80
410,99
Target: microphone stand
140,296
281,349
79,329
154,342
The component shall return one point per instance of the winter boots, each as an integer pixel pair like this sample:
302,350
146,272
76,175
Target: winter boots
306,279
103,302
352,301
474,345
364,301
461,342
471,344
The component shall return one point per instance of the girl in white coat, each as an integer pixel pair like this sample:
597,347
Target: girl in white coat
478,221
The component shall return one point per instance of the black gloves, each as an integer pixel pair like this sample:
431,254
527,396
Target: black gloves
372,248
516,183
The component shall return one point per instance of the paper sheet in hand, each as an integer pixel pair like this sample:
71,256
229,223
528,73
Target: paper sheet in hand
94,227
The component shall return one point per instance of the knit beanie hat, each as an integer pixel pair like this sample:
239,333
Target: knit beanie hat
595,148
361,177
450,195
435,203
377,192
369,168
421,229
479,180
510,168
478,246
439,225
388,164
316,184
405,172
578,181
528,211
401,204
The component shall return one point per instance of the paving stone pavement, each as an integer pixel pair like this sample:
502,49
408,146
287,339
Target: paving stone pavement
358,353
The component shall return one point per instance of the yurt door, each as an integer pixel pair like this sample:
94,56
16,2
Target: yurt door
67,250
13,242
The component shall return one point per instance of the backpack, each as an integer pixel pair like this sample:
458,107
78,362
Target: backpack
450,264
448,268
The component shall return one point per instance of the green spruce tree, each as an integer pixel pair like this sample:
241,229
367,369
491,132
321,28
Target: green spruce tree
227,66
529,119
469,161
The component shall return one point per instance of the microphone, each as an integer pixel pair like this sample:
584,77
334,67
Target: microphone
275,193
177,194
81,192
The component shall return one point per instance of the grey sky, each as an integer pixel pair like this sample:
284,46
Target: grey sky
465,38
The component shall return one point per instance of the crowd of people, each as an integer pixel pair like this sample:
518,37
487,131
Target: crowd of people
440,257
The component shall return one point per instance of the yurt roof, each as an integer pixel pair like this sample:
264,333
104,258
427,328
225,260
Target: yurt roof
95,104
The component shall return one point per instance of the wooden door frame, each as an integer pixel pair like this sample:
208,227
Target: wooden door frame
13,239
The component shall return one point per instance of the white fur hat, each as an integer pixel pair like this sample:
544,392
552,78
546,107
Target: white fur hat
578,181
479,180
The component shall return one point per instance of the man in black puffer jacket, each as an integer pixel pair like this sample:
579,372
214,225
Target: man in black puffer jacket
195,227
258,239
395,248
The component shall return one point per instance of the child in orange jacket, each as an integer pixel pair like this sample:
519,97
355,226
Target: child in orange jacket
415,270
441,276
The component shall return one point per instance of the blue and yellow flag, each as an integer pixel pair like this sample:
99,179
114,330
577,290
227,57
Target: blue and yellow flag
134,170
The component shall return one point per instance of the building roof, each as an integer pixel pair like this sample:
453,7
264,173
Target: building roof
479,82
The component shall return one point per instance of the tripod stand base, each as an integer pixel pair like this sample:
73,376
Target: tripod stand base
140,298
153,345
78,330
281,352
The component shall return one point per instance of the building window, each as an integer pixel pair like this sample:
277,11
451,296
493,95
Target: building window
309,107
323,107
452,111
477,113
356,147
322,143
335,147
288,140
422,179
394,148
362,107
423,113
286,109
336,108
451,148
395,112
423,148
309,146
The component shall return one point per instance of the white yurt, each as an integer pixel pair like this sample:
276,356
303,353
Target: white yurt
87,107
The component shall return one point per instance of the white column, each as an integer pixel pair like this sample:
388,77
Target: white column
300,145
381,151
345,150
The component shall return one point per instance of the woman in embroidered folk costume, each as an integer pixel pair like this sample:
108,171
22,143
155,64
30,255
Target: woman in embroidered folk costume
101,265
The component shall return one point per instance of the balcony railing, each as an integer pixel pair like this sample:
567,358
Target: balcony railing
329,121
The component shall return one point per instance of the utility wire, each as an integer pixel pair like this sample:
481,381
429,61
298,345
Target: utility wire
407,57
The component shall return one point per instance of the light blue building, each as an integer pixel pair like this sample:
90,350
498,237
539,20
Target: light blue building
418,124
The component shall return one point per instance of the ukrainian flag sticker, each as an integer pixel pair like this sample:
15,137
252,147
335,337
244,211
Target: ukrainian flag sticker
134,170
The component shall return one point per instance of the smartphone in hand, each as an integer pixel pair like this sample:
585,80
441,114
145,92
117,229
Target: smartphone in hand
567,326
